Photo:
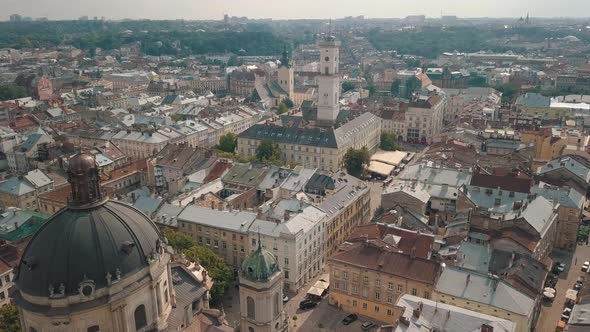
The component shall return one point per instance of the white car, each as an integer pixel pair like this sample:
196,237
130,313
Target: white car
586,266
565,316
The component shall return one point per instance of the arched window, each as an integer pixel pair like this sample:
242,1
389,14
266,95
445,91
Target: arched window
276,304
250,329
93,328
140,318
250,308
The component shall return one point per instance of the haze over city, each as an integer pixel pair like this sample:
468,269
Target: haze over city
303,9
294,166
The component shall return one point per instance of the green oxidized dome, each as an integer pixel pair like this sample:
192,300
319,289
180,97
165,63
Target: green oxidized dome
260,265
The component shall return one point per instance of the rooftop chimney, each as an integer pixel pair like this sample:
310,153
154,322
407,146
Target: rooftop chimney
487,328
416,312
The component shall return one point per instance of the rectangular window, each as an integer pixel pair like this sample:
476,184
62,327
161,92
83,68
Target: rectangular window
414,291
345,275
355,289
216,243
365,292
337,284
400,288
427,295
389,312
365,306
286,261
377,296
389,299
390,285
354,303
366,279
377,283
376,309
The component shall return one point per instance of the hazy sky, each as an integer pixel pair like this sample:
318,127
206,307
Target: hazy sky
214,9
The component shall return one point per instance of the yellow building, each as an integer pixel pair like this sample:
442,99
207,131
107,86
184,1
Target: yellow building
488,295
346,207
368,278
550,143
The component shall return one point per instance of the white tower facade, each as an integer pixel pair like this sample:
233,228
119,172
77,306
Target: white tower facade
329,81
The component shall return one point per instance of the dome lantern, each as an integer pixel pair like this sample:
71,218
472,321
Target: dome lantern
85,180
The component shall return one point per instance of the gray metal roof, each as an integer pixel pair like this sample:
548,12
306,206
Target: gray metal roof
237,221
539,214
484,289
436,316
301,136
568,197
436,175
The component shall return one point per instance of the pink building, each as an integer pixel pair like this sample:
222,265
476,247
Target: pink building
45,89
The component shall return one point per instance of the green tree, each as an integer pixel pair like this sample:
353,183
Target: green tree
12,91
267,150
356,160
477,81
372,90
9,320
228,142
395,85
389,142
413,84
177,240
217,268
282,108
347,86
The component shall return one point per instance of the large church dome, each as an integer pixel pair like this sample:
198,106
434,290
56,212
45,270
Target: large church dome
91,244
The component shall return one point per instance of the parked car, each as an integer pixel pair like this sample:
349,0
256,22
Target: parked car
586,266
577,287
558,267
285,298
349,319
307,304
367,326
565,315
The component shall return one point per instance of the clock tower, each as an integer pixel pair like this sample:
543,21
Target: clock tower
329,81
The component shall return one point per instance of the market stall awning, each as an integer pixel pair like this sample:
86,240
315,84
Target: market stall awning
315,291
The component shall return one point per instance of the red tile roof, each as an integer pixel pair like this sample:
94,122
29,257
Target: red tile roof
376,255
504,182
420,243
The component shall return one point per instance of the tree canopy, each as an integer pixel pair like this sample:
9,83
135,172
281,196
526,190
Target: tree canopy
347,86
228,142
12,91
389,142
356,160
217,268
9,319
177,240
268,151
282,108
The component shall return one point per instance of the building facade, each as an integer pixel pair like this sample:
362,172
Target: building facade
368,278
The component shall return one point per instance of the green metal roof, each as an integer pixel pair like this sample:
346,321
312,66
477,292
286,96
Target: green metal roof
260,265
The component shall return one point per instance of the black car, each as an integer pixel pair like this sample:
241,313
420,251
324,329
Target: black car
349,319
307,304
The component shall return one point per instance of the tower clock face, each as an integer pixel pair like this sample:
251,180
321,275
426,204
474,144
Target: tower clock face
327,58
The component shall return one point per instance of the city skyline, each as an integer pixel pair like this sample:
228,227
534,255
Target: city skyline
207,10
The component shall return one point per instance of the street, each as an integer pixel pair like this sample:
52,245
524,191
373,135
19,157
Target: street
551,312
